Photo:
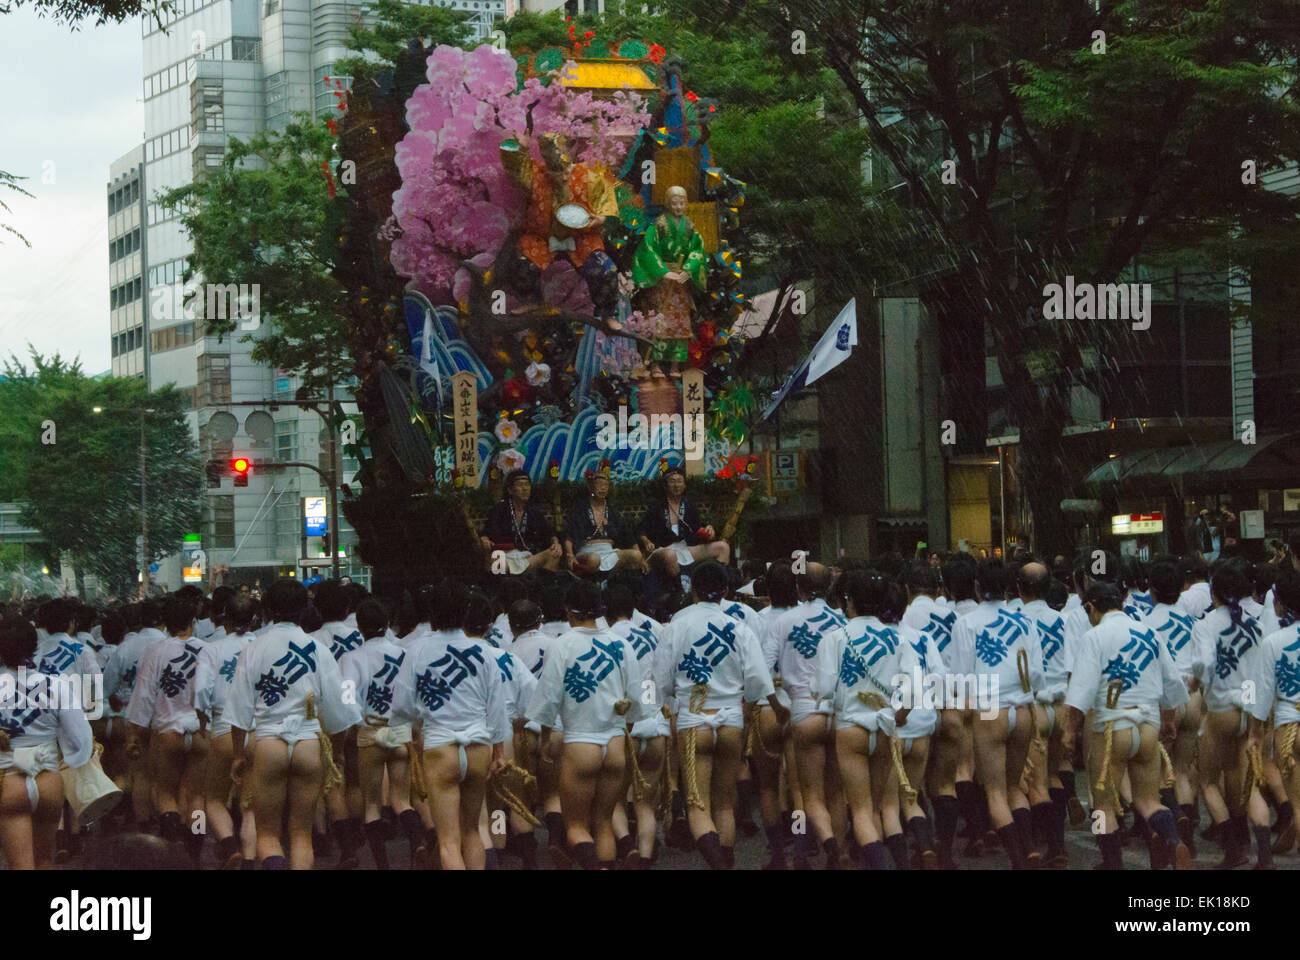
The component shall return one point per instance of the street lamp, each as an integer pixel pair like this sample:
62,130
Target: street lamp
144,496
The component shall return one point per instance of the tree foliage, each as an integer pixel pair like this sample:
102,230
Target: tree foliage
78,472
1084,137
75,12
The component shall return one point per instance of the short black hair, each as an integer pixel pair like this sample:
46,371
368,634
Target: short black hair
55,616
781,591
150,613
922,578
524,615
372,618
1058,595
448,602
868,591
1104,597
959,579
583,600
479,614
332,600
993,579
619,602
1165,577
17,640
285,600
178,614
709,580
240,612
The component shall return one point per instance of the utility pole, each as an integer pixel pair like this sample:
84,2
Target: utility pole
144,512
333,482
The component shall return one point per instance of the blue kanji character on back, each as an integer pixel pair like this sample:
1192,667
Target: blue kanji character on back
578,683
458,664
432,690
1141,647
642,640
1177,629
718,642
227,670
171,682
297,661
852,669
1125,671
940,628
989,649
696,668
271,687
1053,637
342,643
804,641
387,673
379,697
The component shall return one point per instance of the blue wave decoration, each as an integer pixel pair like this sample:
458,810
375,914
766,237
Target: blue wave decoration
572,445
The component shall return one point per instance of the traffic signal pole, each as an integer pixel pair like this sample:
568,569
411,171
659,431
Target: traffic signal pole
144,513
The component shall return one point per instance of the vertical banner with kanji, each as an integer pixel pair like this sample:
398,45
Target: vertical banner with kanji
464,394
693,425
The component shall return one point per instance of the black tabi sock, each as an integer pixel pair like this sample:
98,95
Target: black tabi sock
1067,783
412,826
945,823
526,847
1263,846
194,846
347,834
776,835
1167,798
832,848
491,859
1011,844
874,857
585,854
1044,816
431,840
554,829
728,857
1162,823
248,865
375,838
1023,821
273,863
624,845
1187,811
1112,851
744,800
169,827
968,802
918,828
897,847
226,848
711,850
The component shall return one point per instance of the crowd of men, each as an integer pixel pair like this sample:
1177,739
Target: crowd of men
902,714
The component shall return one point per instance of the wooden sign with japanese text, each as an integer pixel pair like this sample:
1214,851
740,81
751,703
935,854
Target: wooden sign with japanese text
464,401
694,431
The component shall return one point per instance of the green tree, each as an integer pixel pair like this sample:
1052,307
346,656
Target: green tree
75,12
78,471
10,182
1081,136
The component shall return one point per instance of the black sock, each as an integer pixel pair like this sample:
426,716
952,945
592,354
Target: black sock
711,850
918,828
1044,817
1187,810
728,857
623,846
226,849
1284,816
982,810
897,847
945,824
194,846
431,840
248,865
873,857
169,827
802,846
375,838
1263,846
585,854
1168,799
1162,823
1011,843
347,833
554,829
967,801
832,849
1067,783
1112,852
273,863
412,826
1023,821
526,847
776,843
609,864
491,859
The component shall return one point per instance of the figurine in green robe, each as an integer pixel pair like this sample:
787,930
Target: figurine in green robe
671,255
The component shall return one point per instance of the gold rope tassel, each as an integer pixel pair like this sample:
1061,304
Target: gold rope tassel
1254,776
699,694
418,791
523,779
639,783
1105,782
1036,741
333,775
1166,768
5,747
1286,759
905,789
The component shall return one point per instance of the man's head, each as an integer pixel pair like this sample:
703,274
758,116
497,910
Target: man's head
518,486
1032,580
677,201
675,481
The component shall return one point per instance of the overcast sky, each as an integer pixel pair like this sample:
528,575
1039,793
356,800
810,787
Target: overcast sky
72,108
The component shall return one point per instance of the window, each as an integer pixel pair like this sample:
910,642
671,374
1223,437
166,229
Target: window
286,440
214,378
222,517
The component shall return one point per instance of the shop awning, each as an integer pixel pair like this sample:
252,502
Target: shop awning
1274,458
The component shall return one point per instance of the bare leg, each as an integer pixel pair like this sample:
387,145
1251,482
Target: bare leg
305,777
810,738
609,791
16,823
651,763
472,790
270,773
442,773
851,744
726,765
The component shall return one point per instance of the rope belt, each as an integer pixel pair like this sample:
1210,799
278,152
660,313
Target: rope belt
639,783
875,701
333,778
699,695
524,782
1036,741
1105,783
1286,759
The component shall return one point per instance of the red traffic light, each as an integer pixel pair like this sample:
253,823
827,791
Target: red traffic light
239,464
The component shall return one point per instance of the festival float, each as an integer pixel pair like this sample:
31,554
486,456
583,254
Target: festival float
569,291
